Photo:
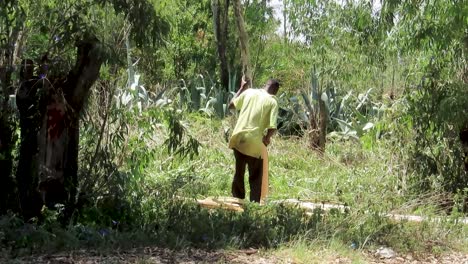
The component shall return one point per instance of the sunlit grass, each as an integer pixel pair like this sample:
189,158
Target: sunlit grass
158,205
348,173
320,252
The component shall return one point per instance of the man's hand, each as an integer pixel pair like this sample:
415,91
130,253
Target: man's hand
244,83
267,138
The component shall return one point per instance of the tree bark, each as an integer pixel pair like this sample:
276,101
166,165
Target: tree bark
285,21
243,39
323,125
220,23
7,144
7,124
49,120
30,103
464,141
314,132
318,128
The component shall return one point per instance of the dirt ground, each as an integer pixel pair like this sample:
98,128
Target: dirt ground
453,257
191,256
151,255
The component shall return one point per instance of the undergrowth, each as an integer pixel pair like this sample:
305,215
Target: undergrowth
156,205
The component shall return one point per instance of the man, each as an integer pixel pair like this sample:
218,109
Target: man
255,126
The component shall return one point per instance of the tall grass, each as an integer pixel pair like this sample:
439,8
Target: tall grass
149,193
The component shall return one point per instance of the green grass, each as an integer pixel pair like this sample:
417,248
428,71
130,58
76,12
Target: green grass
153,212
366,179
319,252
347,173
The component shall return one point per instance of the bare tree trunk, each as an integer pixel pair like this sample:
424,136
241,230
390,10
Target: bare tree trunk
318,128
464,142
30,102
323,117
244,40
7,186
314,132
49,119
7,125
285,21
220,23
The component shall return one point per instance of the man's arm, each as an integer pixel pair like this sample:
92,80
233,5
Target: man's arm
273,118
244,86
267,138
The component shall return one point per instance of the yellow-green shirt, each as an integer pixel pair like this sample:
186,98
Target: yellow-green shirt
258,112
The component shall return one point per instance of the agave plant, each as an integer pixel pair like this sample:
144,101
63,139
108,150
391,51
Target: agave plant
220,98
349,116
135,95
292,118
358,117
198,96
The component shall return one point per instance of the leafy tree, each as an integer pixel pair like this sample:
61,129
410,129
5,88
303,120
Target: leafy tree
261,25
436,90
51,96
189,47
341,46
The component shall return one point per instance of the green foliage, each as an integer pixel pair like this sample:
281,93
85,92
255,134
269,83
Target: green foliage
350,116
69,21
340,40
196,95
148,151
11,17
261,26
147,25
150,199
119,143
177,133
436,90
354,116
437,113
190,46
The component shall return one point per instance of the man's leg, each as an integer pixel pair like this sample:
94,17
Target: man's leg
238,187
255,178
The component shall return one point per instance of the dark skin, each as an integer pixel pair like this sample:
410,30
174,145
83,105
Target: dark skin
269,88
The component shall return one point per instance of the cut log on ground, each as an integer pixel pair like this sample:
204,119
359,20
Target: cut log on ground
235,204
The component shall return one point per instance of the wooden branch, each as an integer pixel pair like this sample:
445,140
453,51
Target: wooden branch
244,40
220,24
84,74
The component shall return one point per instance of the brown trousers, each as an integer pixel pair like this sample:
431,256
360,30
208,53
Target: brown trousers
255,167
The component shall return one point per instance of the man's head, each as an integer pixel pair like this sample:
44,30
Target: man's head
272,86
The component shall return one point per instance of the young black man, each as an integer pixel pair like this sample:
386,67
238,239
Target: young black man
258,113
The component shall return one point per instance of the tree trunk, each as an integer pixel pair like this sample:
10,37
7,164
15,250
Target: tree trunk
220,23
323,125
464,141
29,101
7,144
7,124
314,132
49,120
318,128
243,39
285,21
